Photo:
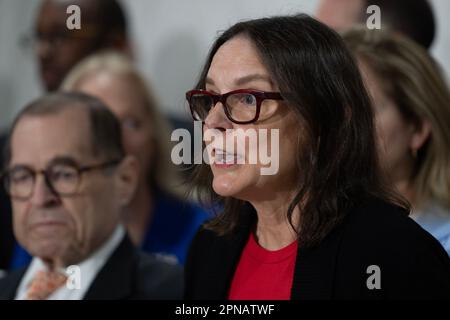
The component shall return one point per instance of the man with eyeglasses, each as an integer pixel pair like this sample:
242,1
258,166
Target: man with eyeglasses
70,181
57,49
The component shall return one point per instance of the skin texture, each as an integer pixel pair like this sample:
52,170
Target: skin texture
64,230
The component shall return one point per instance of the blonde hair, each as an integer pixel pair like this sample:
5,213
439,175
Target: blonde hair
413,80
163,172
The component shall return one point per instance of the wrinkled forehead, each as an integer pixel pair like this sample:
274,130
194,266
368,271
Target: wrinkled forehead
238,63
38,139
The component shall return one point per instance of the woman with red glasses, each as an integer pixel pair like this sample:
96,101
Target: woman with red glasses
324,225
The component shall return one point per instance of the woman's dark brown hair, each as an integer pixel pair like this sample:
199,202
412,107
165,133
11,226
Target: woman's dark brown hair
336,155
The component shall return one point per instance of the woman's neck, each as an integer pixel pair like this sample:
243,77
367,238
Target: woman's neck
273,230
140,213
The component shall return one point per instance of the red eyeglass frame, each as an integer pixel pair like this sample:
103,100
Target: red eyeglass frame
259,95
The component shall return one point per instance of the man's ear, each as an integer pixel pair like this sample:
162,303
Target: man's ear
127,179
420,136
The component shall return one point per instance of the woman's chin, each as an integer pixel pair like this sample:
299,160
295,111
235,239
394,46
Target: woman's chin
227,185
234,183
222,188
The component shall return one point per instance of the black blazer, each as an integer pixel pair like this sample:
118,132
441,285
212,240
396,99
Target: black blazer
412,263
128,274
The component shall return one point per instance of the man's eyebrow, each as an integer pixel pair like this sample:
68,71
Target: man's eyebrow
16,167
64,160
61,160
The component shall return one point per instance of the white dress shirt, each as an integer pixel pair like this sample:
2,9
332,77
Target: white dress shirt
88,268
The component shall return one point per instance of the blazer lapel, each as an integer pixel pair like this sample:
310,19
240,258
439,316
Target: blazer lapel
114,281
315,269
10,283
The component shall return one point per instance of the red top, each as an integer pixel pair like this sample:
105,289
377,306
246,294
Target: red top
262,274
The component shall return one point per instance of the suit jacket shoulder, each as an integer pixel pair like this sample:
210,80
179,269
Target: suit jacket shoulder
9,284
128,274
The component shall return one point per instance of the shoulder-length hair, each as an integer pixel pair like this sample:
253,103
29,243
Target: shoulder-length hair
414,82
336,155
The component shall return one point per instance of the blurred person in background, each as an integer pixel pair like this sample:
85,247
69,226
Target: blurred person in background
70,182
57,49
413,18
104,26
412,110
159,220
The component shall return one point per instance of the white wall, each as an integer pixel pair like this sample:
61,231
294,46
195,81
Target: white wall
171,41
441,46
175,37
18,77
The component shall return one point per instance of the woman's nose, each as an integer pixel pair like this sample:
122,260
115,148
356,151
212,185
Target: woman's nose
217,119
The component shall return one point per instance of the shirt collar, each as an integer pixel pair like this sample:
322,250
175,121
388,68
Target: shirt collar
88,268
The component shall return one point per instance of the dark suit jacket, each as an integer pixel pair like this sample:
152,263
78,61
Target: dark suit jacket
128,274
412,263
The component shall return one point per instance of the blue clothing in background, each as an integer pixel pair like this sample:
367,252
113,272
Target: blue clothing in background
436,220
173,225
20,258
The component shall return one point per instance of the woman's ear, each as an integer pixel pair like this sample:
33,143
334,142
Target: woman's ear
127,179
420,136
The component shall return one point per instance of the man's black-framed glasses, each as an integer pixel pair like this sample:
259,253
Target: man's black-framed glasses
240,106
57,39
63,179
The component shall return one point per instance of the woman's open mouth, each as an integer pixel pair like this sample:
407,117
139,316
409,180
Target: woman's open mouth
223,159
